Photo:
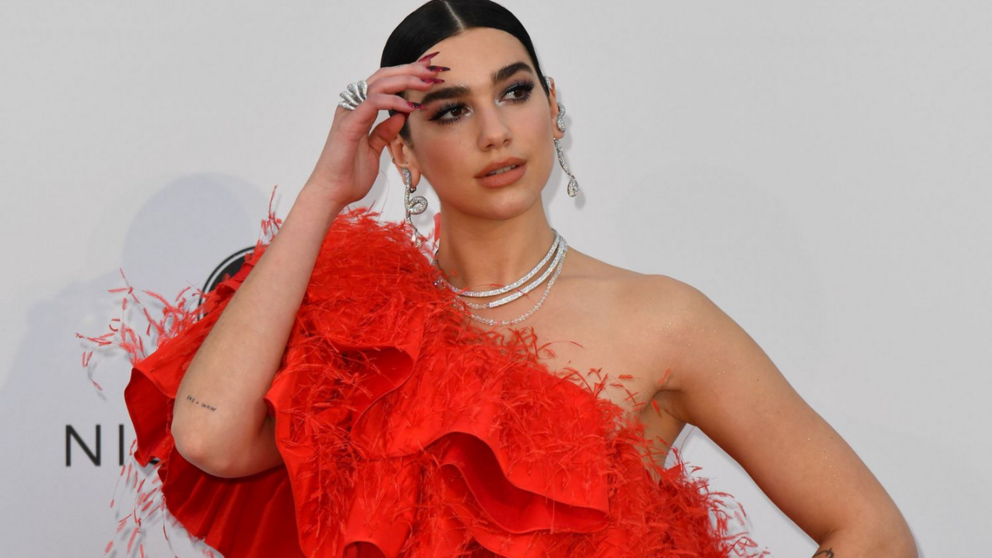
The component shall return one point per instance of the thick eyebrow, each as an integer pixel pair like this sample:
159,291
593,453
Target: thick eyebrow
506,72
456,91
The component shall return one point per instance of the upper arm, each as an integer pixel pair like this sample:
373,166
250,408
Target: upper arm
724,383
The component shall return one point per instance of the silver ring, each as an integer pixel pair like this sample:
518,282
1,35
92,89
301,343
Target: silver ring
354,95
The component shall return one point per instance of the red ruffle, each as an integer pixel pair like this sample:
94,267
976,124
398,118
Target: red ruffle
405,429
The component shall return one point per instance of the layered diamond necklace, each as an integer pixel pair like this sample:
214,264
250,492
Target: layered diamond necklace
556,257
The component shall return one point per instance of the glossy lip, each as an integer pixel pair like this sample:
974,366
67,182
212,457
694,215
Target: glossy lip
502,179
496,165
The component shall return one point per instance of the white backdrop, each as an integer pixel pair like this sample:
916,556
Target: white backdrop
820,169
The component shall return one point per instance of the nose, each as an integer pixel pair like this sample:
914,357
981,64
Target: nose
493,131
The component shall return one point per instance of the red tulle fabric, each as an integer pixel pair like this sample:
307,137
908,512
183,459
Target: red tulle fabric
406,433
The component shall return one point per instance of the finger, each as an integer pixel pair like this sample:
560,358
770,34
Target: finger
417,69
386,132
400,83
360,121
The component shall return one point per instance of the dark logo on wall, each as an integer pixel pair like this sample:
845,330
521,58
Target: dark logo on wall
227,269
91,448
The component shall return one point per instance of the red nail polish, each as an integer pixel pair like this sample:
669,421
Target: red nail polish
432,80
438,68
427,57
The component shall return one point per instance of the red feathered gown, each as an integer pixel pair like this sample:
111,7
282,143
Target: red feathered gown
402,428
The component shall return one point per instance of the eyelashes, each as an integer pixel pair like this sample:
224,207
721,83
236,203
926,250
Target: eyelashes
445,109
523,87
450,113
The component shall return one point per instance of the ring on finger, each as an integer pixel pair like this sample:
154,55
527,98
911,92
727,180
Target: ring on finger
354,95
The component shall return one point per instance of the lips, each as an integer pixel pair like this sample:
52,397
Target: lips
501,165
502,173
502,170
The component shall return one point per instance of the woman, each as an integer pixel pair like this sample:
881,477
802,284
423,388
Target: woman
316,360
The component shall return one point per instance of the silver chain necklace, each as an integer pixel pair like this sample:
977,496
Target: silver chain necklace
557,253
529,313
515,284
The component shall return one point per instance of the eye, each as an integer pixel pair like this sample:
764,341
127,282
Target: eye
453,112
448,114
519,91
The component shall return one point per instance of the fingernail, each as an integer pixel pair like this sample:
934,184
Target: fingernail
429,56
438,68
414,105
432,80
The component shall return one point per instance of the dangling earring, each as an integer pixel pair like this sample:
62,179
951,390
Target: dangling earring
414,205
573,184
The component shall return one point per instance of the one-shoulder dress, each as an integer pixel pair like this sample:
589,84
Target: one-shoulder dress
406,433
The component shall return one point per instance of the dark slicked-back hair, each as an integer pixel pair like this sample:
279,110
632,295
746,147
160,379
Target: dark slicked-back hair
437,20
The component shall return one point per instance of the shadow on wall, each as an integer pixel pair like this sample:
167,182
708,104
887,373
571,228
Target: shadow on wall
175,240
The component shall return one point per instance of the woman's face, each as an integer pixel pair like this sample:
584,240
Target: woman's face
490,114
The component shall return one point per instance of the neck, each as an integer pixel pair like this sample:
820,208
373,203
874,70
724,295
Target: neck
479,254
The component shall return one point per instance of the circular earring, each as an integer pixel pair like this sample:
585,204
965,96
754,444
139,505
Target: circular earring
573,184
414,205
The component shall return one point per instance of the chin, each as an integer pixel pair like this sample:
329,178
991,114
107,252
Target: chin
499,205
509,205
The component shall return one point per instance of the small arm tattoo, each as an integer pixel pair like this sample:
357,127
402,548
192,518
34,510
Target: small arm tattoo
196,401
828,553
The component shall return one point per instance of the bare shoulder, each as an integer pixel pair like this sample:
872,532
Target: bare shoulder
655,305
661,333
695,349
665,320
650,300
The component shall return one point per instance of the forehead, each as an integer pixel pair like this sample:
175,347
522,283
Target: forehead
477,52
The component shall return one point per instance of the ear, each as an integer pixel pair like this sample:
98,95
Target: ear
404,157
553,99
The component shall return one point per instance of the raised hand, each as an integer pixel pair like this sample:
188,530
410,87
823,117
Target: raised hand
349,162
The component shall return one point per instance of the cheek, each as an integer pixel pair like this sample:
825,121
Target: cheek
537,131
434,146
437,156
536,125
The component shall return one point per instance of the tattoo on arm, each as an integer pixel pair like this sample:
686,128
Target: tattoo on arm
196,401
828,553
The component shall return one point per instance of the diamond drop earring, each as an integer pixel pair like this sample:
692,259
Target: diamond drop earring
573,184
414,205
